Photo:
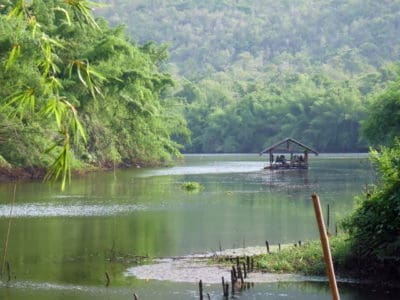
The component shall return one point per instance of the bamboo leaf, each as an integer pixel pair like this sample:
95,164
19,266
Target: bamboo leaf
87,76
57,108
48,63
52,42
20,103
14,54
52,86
34,25
82,9
65,13
78,70
75,123
18,10
61,165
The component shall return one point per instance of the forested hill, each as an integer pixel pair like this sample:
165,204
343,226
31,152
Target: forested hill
211,35
255,71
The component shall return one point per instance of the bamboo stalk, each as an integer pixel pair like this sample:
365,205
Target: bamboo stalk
325,247
8,231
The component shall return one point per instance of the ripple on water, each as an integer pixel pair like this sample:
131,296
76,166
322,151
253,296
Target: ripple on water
211,168
58,210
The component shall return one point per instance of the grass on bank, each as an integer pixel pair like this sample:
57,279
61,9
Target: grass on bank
306,259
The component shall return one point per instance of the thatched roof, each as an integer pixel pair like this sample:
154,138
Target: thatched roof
289,145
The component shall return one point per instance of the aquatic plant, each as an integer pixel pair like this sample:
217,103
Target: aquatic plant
192,186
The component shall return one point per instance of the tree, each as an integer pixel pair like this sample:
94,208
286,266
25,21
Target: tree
77,91
383,123
34,62
374,226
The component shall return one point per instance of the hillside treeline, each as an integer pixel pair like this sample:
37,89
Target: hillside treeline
253,72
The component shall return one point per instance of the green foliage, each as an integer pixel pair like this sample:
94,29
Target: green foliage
76,91
214,34
192,186
254,72
374,226
326,116
4,163
382,125
306,259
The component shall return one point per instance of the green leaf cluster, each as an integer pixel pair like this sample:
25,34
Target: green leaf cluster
383,123
374,226
192,186
76,91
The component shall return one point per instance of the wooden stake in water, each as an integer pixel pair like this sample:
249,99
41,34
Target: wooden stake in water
267,245
201,289
226,290
325,247
107,279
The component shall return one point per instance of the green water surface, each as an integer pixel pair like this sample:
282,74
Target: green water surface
62,243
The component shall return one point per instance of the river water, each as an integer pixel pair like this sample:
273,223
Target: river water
62,243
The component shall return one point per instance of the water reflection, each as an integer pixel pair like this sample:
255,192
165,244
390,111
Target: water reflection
213,167
52,210
158,290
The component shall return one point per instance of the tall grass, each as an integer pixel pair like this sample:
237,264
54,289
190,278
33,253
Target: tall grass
306,259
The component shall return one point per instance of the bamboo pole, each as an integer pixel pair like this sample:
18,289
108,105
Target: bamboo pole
325,247
8,232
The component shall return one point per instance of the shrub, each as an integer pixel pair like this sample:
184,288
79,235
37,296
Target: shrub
374,227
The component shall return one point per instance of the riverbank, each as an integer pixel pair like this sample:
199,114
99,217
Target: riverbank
272,263
9,173
275,263
306,259
192,270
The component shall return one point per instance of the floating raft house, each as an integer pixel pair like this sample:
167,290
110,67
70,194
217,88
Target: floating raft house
297,158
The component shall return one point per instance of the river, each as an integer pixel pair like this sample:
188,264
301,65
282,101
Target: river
63,243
